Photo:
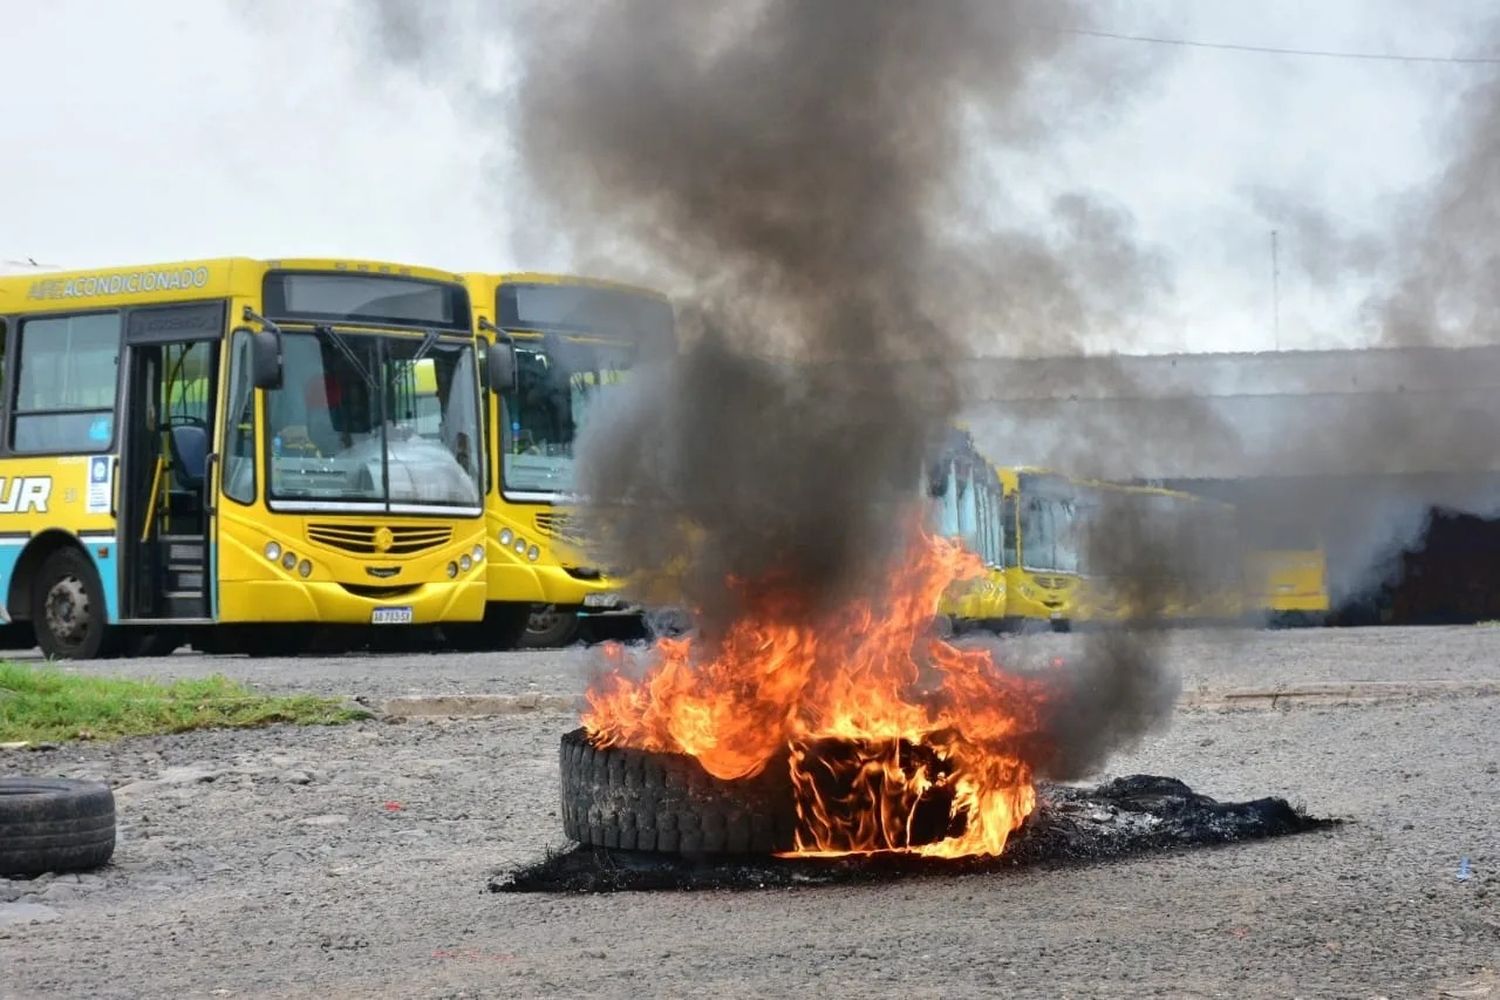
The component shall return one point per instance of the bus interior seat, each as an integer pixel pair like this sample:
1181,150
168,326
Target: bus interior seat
189,456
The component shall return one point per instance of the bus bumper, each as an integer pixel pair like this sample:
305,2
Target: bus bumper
1051,607
1316,603
553,585
330,604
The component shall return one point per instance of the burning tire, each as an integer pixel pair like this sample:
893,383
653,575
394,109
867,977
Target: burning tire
54,825
665,802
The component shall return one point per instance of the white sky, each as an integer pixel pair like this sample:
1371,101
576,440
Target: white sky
169,130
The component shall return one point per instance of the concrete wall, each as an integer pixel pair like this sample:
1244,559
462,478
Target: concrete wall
1388,458
1334,413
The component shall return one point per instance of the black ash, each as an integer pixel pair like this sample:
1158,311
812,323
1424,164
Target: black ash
1128,816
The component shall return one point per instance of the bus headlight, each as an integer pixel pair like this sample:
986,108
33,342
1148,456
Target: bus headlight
465,563
532,553
288,559
452,570
304,569
506,536
478,553
520,546
273,551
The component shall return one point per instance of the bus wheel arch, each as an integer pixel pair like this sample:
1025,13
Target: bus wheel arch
38,550
60,591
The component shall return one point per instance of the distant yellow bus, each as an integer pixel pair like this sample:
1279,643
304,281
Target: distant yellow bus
1291,585
572,340
1190,568
1048,519
967,508
200,449
1285,572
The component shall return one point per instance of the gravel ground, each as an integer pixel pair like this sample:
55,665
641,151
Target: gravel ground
1224,658
352,861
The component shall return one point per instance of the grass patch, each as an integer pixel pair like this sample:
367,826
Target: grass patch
40,704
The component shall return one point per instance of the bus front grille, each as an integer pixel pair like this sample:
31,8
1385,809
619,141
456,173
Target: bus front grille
381,593
555,525
558,526
385,540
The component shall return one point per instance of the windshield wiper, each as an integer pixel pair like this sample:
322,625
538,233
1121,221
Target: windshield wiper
337,340
429,340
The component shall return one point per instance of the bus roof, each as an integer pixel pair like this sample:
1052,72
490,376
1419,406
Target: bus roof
1011,475
105,287
494,280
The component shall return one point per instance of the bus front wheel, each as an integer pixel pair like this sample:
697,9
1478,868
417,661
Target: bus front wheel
550,627
67,609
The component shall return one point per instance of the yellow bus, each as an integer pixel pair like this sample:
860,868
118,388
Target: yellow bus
1289,584
1192,569
571,339
1187,567
198,449
1285,565
967,507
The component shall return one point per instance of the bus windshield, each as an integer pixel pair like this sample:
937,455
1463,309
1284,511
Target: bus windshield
364,420
558,380
574,342
1050,530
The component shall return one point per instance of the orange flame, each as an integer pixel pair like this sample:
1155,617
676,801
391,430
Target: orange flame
896,740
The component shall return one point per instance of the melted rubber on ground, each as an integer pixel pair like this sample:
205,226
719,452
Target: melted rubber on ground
1124,817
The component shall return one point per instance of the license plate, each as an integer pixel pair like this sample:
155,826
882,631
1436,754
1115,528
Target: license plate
601,600
390,616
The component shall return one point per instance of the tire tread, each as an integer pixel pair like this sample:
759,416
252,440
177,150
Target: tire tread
621,797
54,825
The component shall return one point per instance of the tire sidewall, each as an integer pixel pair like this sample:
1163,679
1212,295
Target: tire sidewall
96,641
54,825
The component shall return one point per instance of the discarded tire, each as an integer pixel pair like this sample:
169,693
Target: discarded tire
54,825
666,802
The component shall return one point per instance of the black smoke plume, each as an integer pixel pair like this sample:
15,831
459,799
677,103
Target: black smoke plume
802,175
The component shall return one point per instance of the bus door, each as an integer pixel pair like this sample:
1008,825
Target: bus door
166,515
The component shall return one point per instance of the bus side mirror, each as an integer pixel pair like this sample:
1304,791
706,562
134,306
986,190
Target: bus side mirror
265,359
500,367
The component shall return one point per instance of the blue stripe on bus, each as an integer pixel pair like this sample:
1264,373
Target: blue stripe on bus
106,566
10,554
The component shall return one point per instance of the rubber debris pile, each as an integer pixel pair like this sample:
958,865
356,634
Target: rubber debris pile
1124,817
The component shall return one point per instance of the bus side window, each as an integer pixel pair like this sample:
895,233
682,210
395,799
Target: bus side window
66,381
1008,509
993,529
